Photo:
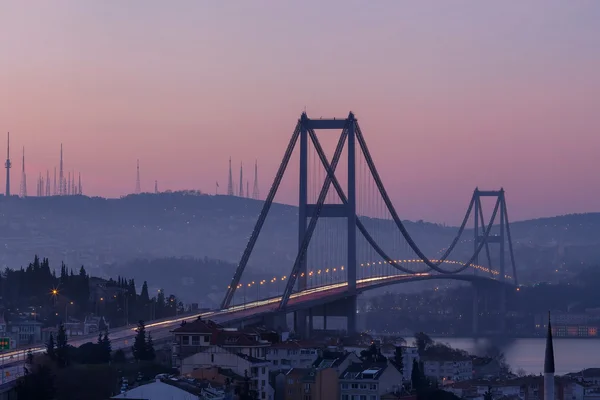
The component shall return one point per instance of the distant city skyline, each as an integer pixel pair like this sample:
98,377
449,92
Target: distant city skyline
450,96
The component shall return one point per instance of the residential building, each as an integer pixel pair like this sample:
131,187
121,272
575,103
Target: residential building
256,370
451,368
311,384
198,336
175,389
369,381
292,354
25,331
5,333
337,360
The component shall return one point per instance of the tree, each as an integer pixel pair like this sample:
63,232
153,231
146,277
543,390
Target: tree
50,348
399,359
415,376
106,347
423,342
62,349
29,360
150,353
119,357
488,394
140,350
37,385
372,354
144,297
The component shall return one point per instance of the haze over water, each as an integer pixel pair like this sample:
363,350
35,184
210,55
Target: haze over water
450,96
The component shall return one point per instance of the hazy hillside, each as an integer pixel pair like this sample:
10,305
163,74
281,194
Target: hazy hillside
97,232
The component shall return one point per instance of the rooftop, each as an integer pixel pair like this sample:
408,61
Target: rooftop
367,371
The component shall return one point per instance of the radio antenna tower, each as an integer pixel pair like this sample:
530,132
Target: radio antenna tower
138,188
8,164
73,186
255,193
155,186
47,183
23,191
241,180
61,175
80,189
247,188
55,193
230,182
68,191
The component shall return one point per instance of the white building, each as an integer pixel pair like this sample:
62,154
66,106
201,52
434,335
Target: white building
172,389
292,354
242,364
454,369
369,382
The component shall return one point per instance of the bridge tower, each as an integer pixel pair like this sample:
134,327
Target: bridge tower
501,238
305,131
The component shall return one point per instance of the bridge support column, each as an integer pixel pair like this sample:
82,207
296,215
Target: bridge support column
324,317
300,327
277,322
475,310
351,315
502,326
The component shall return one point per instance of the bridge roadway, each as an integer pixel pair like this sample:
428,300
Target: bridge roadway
123,337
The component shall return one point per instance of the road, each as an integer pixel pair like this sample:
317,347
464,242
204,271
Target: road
123,337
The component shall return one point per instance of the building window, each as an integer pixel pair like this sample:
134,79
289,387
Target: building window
344,386
185,340
262,371
355,386
373,386
363,386
206,338
212,358
195,340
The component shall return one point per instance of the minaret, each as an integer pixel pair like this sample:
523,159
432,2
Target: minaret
230,182
255,194
8,165
241,180
23,191
138,188
549,365
61,175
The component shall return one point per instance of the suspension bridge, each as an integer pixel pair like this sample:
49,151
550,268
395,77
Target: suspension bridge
351,239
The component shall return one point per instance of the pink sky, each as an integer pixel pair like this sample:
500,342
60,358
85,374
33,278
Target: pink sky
450,95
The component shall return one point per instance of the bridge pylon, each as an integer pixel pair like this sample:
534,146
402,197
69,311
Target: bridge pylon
501,239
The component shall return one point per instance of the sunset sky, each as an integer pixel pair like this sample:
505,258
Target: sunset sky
449,94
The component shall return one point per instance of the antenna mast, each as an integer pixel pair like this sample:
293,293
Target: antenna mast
47,183
80,187
8,164
138,188
61,176
23,190
255,193
241,180
230,182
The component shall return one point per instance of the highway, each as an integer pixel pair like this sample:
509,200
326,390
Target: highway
123,337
